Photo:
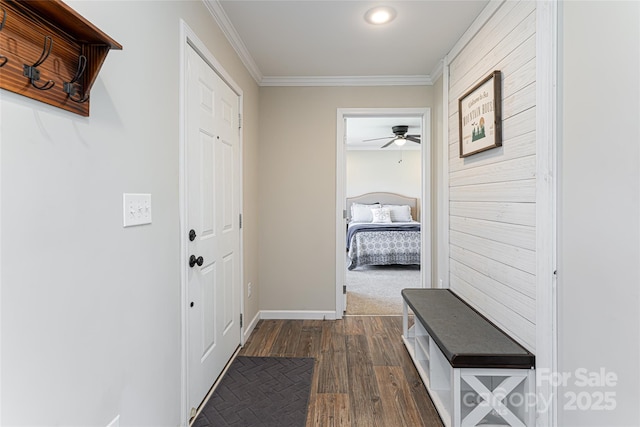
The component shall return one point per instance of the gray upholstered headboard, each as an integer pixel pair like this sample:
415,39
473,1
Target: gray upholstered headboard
385,199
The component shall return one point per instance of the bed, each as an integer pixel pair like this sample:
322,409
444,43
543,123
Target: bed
382,229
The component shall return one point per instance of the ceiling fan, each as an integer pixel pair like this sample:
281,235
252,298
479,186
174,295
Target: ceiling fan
400,136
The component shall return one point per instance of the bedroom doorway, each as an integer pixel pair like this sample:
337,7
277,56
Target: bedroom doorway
398,175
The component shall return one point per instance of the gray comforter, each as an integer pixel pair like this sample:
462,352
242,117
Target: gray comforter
383,244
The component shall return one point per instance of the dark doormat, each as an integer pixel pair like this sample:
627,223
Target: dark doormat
260,391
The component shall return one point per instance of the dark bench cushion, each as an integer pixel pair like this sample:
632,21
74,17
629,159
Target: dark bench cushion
465,337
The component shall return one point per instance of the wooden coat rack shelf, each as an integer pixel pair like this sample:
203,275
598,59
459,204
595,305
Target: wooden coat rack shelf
48,52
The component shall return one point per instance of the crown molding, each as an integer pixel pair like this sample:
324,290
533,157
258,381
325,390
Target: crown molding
234,39
475,27
347,81
436,73
219,15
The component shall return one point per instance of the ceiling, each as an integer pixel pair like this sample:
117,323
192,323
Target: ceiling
328,42
316,42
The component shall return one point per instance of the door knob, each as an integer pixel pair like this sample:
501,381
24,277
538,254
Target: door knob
193,261
192,235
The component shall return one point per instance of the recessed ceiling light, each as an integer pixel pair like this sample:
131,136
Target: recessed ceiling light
380,15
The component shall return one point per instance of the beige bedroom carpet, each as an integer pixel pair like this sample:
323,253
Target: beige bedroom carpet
375,290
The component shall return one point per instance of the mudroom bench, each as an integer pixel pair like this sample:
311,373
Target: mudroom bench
474,372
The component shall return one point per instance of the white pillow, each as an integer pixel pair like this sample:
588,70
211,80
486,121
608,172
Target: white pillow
399,213
381,216
362,213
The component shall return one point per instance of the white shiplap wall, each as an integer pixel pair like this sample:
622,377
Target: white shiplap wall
492,240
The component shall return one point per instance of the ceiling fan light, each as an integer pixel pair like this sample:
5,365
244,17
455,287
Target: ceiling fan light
380,15
400,141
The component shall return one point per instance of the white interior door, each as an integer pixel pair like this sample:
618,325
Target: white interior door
213,280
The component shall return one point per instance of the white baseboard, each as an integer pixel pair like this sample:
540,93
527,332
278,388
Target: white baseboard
286,315
251,326
297,315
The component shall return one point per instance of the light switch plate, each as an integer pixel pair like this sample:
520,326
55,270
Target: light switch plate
136,209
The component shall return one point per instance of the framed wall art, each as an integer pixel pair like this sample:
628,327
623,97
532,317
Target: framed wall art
480,116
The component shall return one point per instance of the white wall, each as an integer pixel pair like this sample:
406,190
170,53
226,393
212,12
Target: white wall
599,224
90,311
439,224
492,194
390,171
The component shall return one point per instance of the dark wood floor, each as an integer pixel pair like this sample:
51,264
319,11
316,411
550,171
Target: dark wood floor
363,374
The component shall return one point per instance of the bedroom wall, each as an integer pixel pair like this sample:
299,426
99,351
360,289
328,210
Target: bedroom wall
90,311
298,187
392,171
492,194
599,213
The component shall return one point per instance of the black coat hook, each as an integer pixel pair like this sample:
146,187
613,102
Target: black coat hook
32,72
70,88
3,59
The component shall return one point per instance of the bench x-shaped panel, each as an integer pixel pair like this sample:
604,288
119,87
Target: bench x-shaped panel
492,400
